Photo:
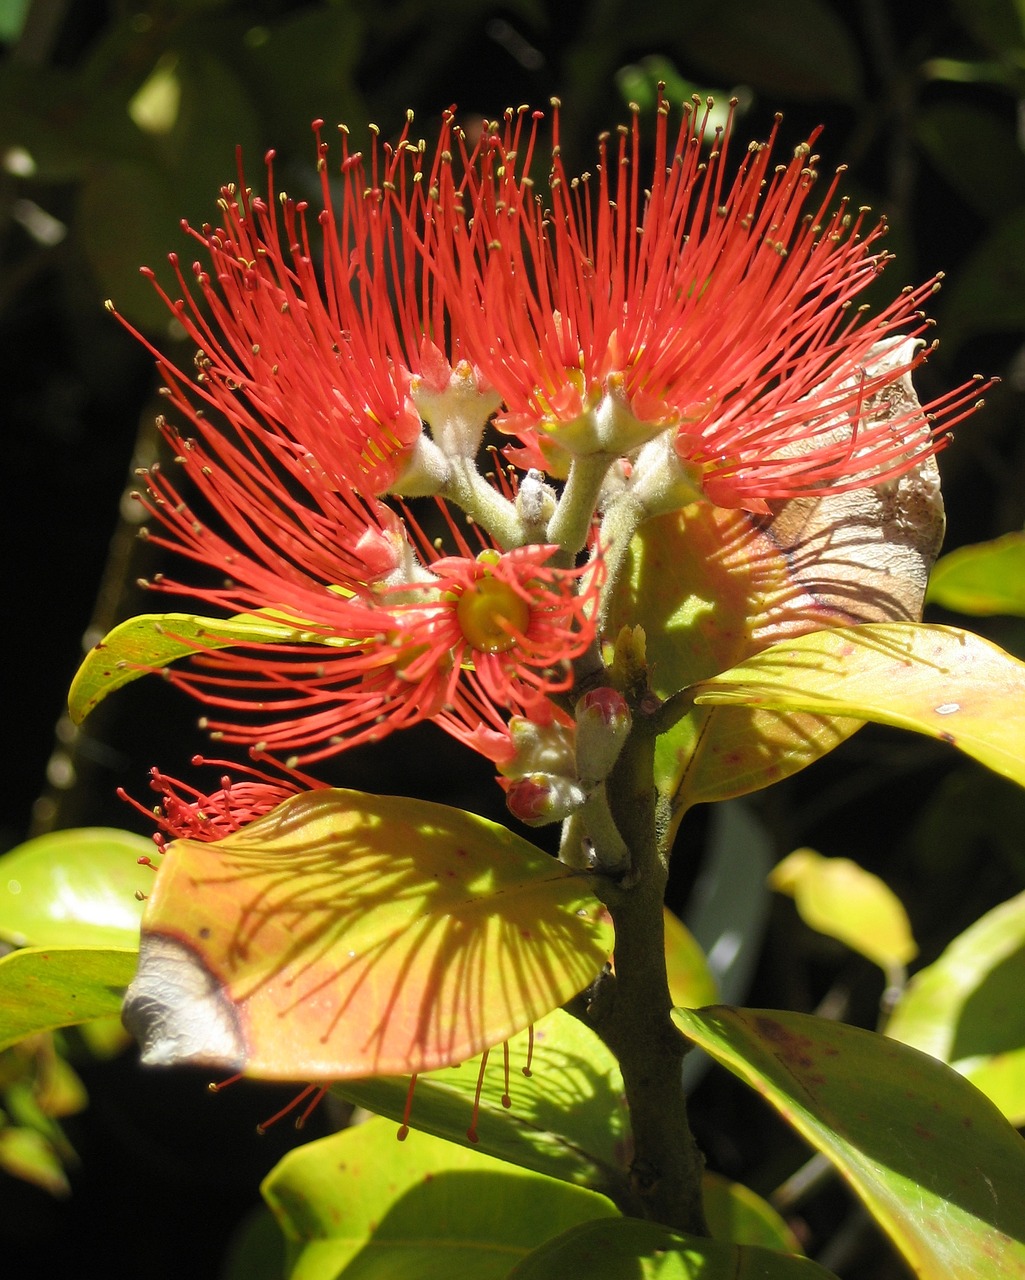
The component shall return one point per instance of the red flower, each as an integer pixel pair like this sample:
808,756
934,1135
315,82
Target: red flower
186,812
720,308
704,328
393,633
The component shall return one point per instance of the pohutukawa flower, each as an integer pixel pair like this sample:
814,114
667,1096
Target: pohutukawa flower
186,811
718,307
391,633
695,336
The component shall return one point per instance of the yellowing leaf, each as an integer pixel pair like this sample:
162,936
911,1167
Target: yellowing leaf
346,935
940,681
986,578
840,899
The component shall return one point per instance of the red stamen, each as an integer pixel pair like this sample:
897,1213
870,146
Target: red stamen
471,1133
403,1131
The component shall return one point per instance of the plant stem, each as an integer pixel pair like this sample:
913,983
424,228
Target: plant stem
631,1010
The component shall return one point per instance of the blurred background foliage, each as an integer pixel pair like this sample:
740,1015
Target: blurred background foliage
119,119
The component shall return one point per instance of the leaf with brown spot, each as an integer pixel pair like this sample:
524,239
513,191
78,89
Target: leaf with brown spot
934,1162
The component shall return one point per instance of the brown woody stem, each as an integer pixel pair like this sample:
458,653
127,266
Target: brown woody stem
630,1010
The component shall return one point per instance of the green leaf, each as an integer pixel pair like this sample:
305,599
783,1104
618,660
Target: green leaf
567,1119
357,1205
988,293
347,935
977,152
29,1155
74,889
802,50
997,24
628,1249
734,1213
844,901
918,1144
986,578
691,982
711,588
940,681
966,1007
45,988
143,644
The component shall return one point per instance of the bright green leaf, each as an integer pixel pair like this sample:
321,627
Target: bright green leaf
42,989
966,1007
74,889
566,1119
347,935
358,1205
628,1249
844,901
986,578
941,681
918,1144
141,645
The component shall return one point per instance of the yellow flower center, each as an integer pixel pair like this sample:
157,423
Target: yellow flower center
491,614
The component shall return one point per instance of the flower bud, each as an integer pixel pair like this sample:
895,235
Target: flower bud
539,798
603,725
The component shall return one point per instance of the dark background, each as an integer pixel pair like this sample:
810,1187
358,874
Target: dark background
921,100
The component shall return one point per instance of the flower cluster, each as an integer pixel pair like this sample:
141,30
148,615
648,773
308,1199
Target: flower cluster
640,344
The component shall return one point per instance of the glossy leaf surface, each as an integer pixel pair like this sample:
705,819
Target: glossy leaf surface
45,988
966,1008
144,644
357,1205
629,1249
74,889
567,1119
940,681
986,578
935,1163
346,934
844,901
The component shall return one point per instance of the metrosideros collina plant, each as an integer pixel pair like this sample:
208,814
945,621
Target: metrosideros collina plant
616,481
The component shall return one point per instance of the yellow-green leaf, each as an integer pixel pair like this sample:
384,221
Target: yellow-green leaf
567,1118
935,1163
629,1249
359,1204
940,681
844,901
986,578
347,934
45,988
144,644
966,1007
74,888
